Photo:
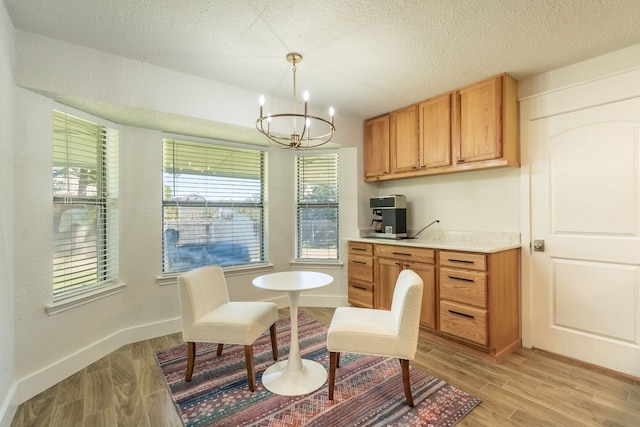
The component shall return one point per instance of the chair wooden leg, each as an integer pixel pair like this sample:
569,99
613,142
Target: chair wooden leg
333,361
219,352
191,359
405,379
248,355
274,342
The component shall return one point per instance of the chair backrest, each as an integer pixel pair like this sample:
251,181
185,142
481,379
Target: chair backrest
201,290
406,305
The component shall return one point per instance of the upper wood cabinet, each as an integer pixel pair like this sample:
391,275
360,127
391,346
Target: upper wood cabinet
403,139
376,147
485,124
471,128
435,131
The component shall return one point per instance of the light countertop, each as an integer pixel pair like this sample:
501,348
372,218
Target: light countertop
469,241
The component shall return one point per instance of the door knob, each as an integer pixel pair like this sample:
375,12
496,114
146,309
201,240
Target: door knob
538,245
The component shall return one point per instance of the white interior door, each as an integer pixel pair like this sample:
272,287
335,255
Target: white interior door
585,201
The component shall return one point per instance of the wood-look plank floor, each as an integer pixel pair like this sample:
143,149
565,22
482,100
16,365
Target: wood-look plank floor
528,388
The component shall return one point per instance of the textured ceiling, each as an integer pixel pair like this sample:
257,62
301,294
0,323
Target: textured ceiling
364,57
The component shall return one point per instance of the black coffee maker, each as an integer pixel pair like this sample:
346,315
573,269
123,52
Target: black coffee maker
389,217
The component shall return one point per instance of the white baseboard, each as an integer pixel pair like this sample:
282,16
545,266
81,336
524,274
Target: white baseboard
41,380
311,301
322,301
9,407
37,382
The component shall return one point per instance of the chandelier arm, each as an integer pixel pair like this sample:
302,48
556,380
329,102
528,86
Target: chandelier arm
297,115
268,133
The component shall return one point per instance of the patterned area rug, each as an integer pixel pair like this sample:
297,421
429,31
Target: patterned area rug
368,389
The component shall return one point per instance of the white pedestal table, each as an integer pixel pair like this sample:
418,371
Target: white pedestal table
294,376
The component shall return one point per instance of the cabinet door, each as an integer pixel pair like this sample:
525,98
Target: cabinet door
429,302
478,121
360,294
435,132
387,272
405,149
376,147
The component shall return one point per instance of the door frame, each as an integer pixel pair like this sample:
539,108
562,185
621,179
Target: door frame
571,97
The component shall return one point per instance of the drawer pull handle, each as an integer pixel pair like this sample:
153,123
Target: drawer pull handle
400,253
463,261
358,262
461,314
464,279
359,287
358,249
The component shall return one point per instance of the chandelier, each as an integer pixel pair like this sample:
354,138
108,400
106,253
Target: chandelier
300,137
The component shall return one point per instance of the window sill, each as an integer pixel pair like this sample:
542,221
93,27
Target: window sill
317,263
172,278
68,302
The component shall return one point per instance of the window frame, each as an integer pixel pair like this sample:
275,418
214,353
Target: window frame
104,201
203,204
303,205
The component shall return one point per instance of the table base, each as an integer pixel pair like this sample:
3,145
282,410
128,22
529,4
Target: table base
277,379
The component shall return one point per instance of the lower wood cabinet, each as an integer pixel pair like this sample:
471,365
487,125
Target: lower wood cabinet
463,321
480,299
360,275
470,298
390,261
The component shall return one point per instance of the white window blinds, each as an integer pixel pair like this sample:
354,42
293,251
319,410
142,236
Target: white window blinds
213,205
317,207
85,186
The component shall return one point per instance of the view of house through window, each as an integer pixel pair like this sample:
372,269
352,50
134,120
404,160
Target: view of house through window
213,205
317,206
85,185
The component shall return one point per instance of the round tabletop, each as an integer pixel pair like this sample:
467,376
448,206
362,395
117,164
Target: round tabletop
292,280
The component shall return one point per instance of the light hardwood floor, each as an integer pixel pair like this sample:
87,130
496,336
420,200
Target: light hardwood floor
529,388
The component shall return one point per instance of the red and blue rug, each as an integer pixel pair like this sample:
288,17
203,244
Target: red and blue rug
368,389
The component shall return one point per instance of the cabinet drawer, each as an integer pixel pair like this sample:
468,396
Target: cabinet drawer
463,321
361,295
359,248
361,268
466,260
406,253
468,287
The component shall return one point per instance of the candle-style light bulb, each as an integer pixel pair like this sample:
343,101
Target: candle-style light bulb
306,95
331,112
261,101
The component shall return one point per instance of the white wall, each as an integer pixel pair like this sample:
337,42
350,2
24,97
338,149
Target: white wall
487,200
7,333
55,346
52,347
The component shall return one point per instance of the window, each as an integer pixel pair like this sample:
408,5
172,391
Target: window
85,185
213,205
317,207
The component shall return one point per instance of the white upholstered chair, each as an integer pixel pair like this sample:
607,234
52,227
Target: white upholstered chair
209,316
386,333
